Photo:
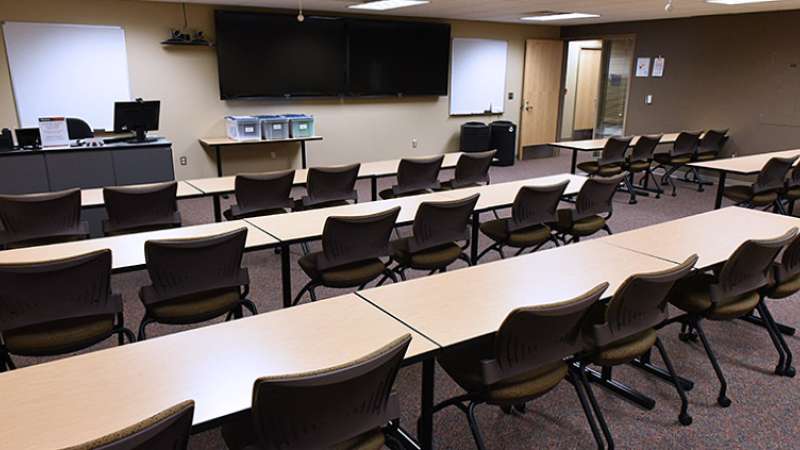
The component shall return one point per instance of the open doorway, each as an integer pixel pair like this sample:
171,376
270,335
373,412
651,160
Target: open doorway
581,89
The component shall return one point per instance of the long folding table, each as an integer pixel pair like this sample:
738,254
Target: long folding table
91,198
743,165
594,145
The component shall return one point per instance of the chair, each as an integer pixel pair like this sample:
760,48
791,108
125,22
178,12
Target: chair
624,329
711,144
765,191
585,219
38,219
784,283
262,195
641,161
472,169
415,176
611,158
133,209
437,229
330,186
78,129
351,406
534,207
522,361
167,430
57,307
195,280
682,153
352,248
791,193
726,294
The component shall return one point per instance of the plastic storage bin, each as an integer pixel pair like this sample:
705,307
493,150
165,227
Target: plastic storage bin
301,125
243,128
274,127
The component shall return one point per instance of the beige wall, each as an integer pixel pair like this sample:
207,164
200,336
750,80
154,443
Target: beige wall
185,80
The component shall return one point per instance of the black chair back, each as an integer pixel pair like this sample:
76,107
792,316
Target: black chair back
535,336
149,206
352,239
48,215
78,129
712,142
790,262
773,176
686,143
183,267
264,191
645,147
596,196
439,223
535,205
414,175
167,430
327,407
614,150
748,268
327,184
640,303
70,288
473,168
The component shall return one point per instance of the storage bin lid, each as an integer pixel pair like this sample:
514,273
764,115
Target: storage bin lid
297,116
240,117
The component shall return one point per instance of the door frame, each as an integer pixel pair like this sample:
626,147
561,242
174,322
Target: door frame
601,37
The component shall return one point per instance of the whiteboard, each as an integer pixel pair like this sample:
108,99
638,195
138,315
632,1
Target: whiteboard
478,76
67,71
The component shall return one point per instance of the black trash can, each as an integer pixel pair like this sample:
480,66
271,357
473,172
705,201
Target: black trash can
504,140
475,137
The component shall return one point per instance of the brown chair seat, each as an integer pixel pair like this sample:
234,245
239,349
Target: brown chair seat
693,296
594,168
742,193
345,276
705,156
528,237
792,193
195,309
783,289
448,185
434,258
59,337
582,227
666,158
625,350
388,193
638,166
235,212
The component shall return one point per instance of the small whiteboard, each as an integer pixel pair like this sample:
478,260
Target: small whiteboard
67,70
478,76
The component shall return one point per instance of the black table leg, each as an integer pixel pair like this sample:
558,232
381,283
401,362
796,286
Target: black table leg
425,432
374,183
720,189
474,244
286,276
219,160
574,161
303,153
217,209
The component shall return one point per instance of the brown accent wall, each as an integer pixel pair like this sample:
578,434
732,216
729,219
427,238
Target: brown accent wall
735,71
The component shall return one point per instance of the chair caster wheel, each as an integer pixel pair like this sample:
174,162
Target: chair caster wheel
789,372
687,337
724,401
685,419
520,408
506,409
632,202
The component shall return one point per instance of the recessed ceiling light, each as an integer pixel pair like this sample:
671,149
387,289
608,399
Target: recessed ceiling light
547,17
383,5
738,2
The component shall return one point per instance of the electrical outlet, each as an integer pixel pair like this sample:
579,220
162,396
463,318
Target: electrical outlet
183,160
414,143
272,155
511,96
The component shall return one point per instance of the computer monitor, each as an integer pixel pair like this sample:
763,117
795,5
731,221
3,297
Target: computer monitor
137,116
28,138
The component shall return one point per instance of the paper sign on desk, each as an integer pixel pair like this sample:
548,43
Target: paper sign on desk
53,131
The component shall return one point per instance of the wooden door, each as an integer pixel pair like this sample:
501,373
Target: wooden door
541,91
588,88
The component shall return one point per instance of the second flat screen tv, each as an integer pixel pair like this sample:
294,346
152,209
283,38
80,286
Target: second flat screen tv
274,55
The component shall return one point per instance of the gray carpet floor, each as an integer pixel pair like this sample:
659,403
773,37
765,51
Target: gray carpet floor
763,414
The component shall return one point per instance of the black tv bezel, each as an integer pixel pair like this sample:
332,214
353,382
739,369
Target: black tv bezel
346,92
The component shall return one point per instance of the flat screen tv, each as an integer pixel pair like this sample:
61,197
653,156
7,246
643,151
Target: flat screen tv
393,57
274,55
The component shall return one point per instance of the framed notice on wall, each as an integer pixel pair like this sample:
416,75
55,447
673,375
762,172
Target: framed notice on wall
658,67
643,67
